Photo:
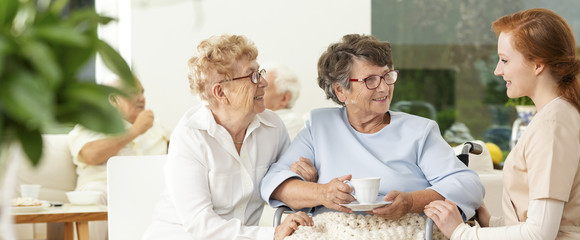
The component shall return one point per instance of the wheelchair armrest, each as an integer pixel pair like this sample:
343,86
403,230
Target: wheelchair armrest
279,212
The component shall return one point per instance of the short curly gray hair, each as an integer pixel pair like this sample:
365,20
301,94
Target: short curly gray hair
335,64
219,54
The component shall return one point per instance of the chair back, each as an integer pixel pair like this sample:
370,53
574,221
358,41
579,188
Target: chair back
135,185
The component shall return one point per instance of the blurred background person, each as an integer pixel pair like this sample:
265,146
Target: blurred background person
220,151
281,94
92,150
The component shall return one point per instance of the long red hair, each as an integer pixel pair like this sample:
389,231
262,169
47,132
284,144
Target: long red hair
542,35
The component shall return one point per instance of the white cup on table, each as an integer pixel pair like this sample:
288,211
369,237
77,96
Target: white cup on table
366,190
29,190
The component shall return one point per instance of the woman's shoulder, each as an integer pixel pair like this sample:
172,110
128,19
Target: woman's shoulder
559,111
409,119
269,118
194,117
326,113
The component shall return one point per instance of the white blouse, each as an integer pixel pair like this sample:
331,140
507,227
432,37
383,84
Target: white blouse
212,192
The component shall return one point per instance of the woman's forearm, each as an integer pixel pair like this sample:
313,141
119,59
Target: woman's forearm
423,197
298,194
543,223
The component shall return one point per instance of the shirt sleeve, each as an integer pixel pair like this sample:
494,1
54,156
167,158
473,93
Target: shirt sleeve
551,157
187,184
447,174
77,138
543,221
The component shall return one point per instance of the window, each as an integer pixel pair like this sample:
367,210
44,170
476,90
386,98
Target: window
446,53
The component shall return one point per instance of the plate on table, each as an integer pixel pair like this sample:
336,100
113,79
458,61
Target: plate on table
358,207
21,209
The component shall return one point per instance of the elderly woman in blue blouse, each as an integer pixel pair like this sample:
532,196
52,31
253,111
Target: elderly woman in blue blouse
364,139
220,152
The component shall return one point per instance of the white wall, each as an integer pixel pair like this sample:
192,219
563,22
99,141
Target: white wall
164,34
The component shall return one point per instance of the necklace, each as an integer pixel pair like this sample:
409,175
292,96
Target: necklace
238,142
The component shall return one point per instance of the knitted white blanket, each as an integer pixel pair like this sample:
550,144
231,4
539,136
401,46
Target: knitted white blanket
339,225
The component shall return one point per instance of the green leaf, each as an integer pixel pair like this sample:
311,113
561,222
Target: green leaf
88,104
57,6
113,60
72,59
43,60
31,141
1,125
85,19
62,35
91,93
4,50
8,9
24,18
26,99
105,20
107,121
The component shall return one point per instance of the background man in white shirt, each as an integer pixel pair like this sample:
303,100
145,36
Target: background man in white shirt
92,150
281,94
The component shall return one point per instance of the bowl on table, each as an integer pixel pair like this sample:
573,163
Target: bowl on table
83,197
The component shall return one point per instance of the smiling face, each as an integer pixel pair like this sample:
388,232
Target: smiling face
359,100
243,94
518,72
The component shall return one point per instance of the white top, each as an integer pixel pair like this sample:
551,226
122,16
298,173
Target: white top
152,142
543,220
211,190
291,120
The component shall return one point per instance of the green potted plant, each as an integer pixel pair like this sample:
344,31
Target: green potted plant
524,106
42,50
521,101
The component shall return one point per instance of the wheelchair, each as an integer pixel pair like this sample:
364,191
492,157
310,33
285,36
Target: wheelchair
467,148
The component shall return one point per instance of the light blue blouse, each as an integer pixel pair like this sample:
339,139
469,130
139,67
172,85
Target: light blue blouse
408,155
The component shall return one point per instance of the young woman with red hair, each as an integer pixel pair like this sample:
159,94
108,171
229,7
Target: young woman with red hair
541,193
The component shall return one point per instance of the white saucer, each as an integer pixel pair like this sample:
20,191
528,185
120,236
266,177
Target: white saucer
357,207
22,209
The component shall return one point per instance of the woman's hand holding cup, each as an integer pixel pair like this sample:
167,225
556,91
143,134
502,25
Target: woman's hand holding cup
337,192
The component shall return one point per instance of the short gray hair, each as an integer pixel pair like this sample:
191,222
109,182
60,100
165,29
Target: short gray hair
335,64
286,80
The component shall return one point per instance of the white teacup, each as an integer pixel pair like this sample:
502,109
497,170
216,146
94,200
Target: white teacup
29,190
366,190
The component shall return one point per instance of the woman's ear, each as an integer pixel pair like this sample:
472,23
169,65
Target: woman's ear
286,96
539,68
219,94
339,91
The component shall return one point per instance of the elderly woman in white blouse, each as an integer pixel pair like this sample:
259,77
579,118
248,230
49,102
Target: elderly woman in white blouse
220,152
